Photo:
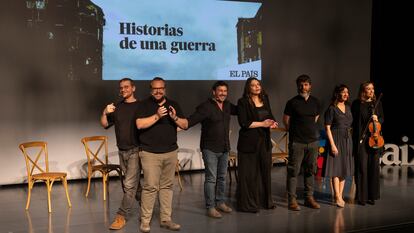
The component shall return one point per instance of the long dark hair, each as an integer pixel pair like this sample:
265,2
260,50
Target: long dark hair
337,93
247,94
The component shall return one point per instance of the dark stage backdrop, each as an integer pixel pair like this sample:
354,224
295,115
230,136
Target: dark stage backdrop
51,70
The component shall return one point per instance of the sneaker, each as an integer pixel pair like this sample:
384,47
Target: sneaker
213,213
170,225
225,208
145,227
118,222
311,203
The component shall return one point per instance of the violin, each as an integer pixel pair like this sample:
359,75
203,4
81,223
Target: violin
375,140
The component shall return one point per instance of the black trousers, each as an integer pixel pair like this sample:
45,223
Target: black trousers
367,173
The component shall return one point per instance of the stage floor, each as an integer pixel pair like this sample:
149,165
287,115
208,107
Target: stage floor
394,212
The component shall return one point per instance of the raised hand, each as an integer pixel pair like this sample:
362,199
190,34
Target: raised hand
110,108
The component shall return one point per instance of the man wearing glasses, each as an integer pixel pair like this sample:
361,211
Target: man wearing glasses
158,118
123,116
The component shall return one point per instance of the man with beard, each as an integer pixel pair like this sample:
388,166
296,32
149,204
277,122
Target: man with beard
214,115
123,116
158,118
300,118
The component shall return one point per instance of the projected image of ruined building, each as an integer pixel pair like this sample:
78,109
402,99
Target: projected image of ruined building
249,38
66,35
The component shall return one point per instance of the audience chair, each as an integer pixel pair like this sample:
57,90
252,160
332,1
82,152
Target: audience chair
98,161
280,139
38,171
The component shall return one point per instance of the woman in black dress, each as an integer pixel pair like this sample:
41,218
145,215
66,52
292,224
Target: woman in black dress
366,158
254,149
338,123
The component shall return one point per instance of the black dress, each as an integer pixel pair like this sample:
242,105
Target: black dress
366,158
341,165
254,159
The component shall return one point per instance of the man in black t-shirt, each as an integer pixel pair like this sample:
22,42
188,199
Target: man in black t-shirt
214,116
158,118
300,118
123,116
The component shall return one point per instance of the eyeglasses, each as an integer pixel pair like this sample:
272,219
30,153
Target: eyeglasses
157,88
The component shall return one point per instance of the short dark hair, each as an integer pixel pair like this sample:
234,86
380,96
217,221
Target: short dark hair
218,84
303,78
157,79
127,79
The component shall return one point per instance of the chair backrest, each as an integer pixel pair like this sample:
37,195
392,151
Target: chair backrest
34,162
96,148
280,139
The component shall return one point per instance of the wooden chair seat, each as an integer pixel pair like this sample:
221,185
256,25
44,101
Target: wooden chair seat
49,175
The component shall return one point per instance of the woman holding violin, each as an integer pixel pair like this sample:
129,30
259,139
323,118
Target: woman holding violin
368,116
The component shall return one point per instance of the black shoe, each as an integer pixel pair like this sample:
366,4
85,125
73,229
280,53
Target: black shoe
361,203
371,202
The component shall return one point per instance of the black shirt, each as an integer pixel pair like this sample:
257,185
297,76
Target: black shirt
126,131
302,125
215,124
262,113
161,137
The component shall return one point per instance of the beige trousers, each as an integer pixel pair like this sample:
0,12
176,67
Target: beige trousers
159,170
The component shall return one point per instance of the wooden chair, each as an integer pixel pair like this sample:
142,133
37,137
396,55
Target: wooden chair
185,157
40,172
98,161
280,139
232,165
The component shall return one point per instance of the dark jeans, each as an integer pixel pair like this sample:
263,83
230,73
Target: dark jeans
215,177
129,161
301,154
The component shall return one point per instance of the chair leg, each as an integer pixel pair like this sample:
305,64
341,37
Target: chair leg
29,193
104,176
179,179
229,170
65,185
236,175
89,185
48,186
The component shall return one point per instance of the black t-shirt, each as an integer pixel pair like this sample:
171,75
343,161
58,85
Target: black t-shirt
302,125
161,137
263,113
125,127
